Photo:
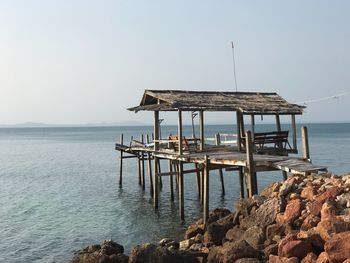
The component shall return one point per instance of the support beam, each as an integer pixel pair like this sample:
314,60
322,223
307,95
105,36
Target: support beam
198,176
156,148
201,130
238,124
121,162
171,183
221,174
150,169
294,130
206,191
181,175
305,143
241,181
278,122
253,187
142,165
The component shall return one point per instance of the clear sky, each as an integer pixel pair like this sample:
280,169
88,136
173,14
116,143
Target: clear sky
70,61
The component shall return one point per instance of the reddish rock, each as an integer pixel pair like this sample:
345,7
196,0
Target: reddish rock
338,247
314,207
290,246
308,192
310,258
309,222
277,259
323,258
193,230
293,210
313,237
328,210
330,194
327,228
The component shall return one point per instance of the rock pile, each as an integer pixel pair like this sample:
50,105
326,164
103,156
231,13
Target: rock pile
303,219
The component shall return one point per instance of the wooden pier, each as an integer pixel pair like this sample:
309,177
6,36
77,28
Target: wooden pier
252,153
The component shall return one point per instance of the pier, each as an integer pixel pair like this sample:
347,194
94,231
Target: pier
248,153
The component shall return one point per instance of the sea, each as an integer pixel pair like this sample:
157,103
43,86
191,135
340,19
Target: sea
59,188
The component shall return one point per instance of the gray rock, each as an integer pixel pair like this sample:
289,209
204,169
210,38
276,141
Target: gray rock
255,237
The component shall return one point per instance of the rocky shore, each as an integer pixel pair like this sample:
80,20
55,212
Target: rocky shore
303,219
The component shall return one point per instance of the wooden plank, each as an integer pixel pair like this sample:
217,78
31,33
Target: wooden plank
298,166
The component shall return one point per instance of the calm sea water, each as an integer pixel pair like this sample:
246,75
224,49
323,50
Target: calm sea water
59,189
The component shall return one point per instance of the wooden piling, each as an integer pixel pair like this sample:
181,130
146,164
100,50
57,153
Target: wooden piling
294,130
305,143
138,160
241,181
171,184
156,148
206,191
181,176
150,169
278,122
238,123
198,180
143,183
121,162
252,180
201,129
217,140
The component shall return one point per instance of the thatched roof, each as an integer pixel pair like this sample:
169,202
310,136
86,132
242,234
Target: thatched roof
246,102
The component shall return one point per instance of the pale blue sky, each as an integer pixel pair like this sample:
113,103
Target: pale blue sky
87,61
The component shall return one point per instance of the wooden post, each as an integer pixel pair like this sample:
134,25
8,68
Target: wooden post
253,188
171,183
150,169
252,118
201,129
285,175
159,177
242,124
198,178
121,162
294,129
156,148
238,123
138,160
181,175
142,165
217,139
206,191
241,181
305,142
278,122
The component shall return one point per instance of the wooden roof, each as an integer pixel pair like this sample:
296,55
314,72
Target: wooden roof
246,102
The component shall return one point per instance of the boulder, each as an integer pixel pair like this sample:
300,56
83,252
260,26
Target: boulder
309,222
328,227
217,213
230,252
271,190
277,259
234,234
152,253
214,235
194,230
271,250
248,260
255,237
265,215
338,247
323,258
293,211
108,252
308,192
273,230
290,246
310,258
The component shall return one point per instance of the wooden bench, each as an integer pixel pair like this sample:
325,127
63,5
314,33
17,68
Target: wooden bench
188,144
279,139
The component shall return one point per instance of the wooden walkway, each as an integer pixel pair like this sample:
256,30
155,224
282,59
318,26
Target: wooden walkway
246,163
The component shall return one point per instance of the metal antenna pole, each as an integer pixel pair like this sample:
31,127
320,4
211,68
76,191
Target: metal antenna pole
234,65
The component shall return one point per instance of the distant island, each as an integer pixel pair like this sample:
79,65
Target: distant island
45,125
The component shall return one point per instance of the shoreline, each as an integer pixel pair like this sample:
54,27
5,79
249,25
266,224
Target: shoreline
303,219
